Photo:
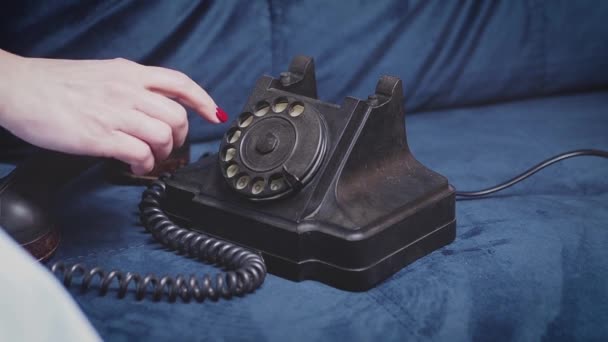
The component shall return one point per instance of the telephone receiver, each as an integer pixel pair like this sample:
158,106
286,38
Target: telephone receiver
27,196
301,188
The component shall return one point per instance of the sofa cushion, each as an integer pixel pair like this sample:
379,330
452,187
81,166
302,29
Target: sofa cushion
527,264
447,53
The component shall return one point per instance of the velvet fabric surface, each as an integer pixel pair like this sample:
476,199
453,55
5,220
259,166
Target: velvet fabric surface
527,264
491,88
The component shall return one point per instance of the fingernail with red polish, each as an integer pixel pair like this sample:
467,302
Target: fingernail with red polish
221,115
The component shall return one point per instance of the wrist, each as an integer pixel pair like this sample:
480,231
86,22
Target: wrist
11,66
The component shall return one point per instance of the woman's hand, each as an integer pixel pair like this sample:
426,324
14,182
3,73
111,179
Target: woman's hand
108,108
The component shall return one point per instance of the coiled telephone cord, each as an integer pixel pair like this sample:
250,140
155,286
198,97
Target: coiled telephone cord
245,270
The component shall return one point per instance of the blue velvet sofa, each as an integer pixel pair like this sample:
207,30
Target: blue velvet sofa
491,88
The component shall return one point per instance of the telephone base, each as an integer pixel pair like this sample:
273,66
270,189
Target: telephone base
342,257
361,279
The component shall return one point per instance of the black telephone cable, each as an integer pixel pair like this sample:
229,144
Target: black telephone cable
531,171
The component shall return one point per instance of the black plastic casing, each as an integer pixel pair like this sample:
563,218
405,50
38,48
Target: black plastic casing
370,209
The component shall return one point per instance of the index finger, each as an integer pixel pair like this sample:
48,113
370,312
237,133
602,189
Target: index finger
177,85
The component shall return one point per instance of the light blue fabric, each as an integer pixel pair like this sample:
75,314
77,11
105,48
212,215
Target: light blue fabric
35,306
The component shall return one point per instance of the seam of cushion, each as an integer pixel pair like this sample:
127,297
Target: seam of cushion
271,35
537,37
278,28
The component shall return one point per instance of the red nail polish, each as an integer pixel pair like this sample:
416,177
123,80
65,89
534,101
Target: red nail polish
221,115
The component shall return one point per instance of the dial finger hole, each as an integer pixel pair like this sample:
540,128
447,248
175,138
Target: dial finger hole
245,120
232,170
296,109
277,183
242,182
262,108
234,135
280,105
229,154
258,186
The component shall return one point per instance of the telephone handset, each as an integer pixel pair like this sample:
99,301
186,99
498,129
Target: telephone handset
27,194
305,188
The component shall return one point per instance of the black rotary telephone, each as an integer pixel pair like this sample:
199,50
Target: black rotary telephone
322,191
301,187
